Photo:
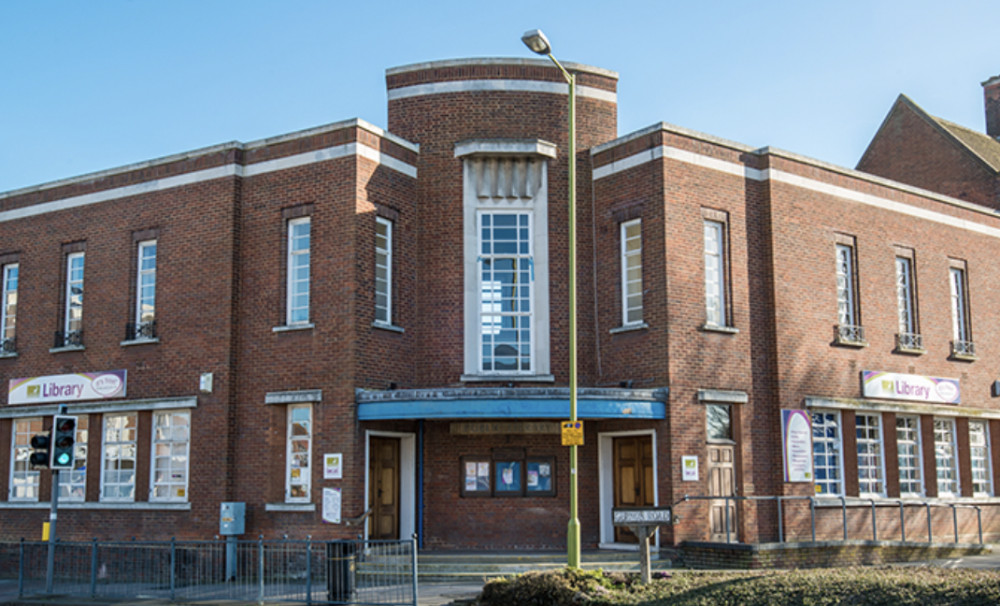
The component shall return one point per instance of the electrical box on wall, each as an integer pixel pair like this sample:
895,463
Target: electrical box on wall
205,383
232,518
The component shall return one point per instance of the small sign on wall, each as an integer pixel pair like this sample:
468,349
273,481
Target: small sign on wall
333,466
331,505
689,468
796,451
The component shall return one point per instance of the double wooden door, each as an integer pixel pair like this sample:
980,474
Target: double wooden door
634,483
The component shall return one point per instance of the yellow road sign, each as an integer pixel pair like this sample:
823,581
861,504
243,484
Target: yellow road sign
572,433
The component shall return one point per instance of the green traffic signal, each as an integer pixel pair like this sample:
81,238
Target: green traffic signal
63,439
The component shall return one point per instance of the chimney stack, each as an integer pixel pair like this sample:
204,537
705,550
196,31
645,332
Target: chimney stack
991,92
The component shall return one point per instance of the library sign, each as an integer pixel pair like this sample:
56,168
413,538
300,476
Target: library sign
67,388
895,386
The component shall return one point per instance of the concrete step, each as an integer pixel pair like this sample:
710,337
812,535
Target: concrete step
442,567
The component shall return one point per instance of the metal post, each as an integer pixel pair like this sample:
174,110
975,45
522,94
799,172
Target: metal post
309,576
413,563
930,537
812,515
954,519
979,516
874,522
843,508
573,536
20,571
727,520
230,557
902,521
93,567
781,525
173,567
53,515
260,567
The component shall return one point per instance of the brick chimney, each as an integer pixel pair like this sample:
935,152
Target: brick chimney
991,92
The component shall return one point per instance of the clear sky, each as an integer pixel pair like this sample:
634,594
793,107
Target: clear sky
88,86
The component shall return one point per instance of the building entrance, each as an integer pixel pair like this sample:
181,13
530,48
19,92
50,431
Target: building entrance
383,487
633,478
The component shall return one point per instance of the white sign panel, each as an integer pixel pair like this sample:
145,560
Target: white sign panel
103,385
689,468
918,388
331,505
796,445
333,466
639,517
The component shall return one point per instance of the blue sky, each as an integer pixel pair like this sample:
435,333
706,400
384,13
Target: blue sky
87,86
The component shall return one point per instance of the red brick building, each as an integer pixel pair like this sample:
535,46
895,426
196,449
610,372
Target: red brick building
379,318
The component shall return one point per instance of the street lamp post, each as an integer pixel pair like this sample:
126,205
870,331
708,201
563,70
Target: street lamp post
538,43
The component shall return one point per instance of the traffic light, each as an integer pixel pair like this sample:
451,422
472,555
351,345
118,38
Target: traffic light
40,450
63,438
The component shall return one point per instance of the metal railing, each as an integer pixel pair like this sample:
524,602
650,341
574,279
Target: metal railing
67,338
872,502
380,573
140,331
909,341
963,348
849,334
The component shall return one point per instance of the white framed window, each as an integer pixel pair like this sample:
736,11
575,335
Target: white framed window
119,457
871,471
960,325
298,455
979,446
73,321
906,309
505,287
383,271
145,284
911,483
945,460
715,273
297,289
8,309
73,484
24,480
846,297
171,444
631,265
827,458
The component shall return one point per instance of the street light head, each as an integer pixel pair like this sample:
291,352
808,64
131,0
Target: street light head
537,42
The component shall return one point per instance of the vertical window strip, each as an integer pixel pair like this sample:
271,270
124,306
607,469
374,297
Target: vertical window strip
24,480
846,299
959,316
171,443
297,305
945,459
73,484
910,461
383,271
298,456
715,274
631,266
979,445
904,296
506,290
74,295
869,446
119,458
8,309
145,290
826,453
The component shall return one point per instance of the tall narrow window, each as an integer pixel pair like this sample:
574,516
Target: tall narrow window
383,271
297,305
24,480
848,319
505,292
945,459
910,459
8,310
631,253
869,444
72,334
826,453
961,344
979,446
171,440
73,485
298,474
908,337
145,293
715,273
118,461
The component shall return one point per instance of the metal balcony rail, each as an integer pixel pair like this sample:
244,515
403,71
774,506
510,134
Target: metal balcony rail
901,503
8,346
963,348
286,571
909,341
849,333
68,338
141,331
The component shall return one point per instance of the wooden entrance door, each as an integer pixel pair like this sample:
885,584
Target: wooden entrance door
722,483
633,481
383,488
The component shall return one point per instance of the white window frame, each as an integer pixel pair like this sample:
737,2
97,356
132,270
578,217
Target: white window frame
905,300
170,444
847,307
296,286
73,484
383,261
832,449
958,287
871,454
24,481
294,472
122,448
8,306
71,283
979,452
946,448
145,280
631,264
908,436
716,301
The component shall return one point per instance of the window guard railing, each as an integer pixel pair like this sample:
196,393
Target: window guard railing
849,333
68,338
8,346
963,348
872,502
140,331
909,341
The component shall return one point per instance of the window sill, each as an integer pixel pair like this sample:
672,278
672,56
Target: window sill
958,357
729,330
290,507
910,351
152,341
629,328
389,327
67,349
63,504
8,354
293,327
851,344
508,378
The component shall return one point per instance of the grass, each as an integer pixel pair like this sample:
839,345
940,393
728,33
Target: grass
869,586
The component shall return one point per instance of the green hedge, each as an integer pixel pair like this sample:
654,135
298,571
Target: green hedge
884,586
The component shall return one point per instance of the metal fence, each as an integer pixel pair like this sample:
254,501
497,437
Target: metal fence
382,573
